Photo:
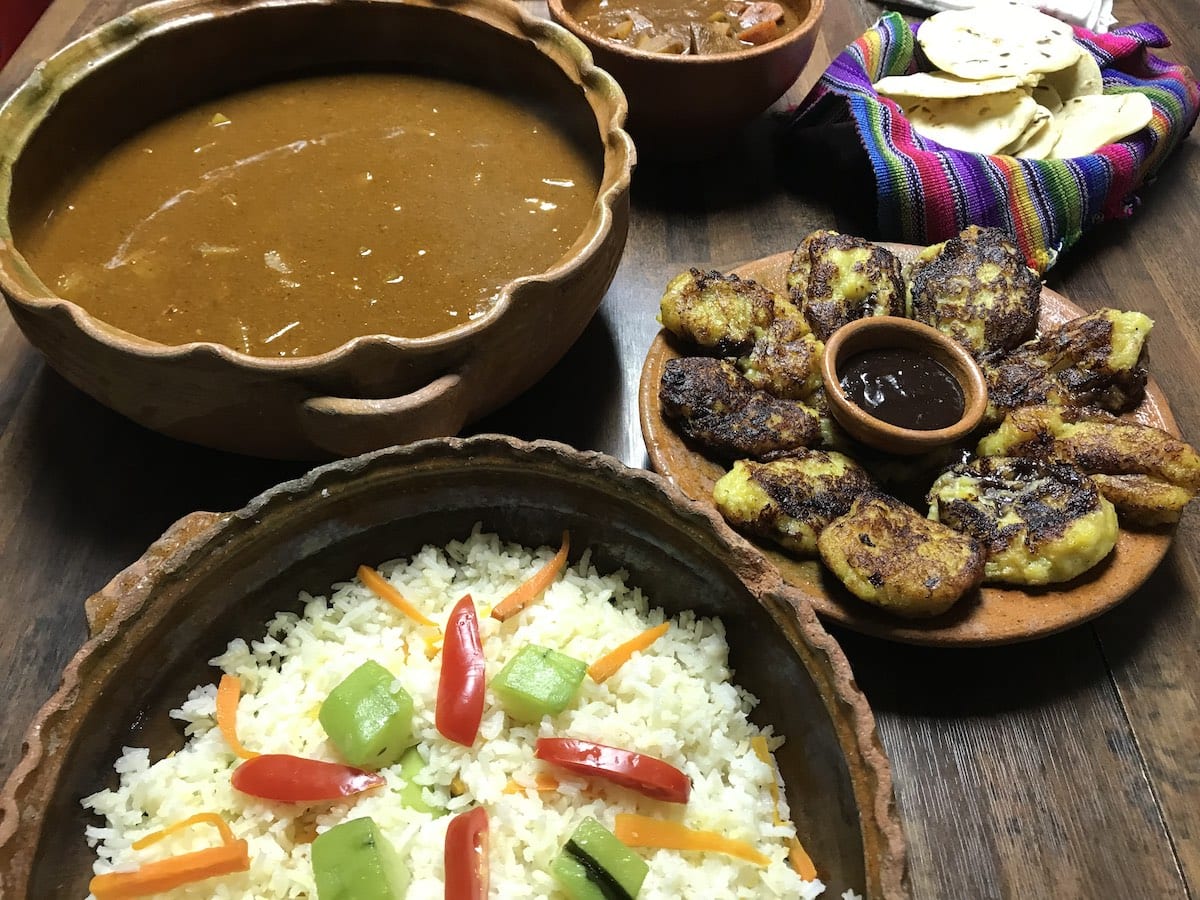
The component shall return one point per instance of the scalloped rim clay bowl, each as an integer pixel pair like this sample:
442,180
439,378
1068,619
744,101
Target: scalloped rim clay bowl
689,106
374,390
213,577
893,332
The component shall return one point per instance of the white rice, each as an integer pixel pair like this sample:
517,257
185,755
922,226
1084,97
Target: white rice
674,701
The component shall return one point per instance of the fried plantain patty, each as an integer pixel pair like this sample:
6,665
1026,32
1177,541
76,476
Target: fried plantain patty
790,500
716,407
1095,360
1147,474
976,289
889,555
830,435
837,278
1039,522
722,314
785,361
1142,500
801,265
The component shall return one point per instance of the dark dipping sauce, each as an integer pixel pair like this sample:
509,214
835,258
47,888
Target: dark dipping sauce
903,387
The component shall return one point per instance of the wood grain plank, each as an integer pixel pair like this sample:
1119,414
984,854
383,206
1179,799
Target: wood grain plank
62,21
1015,770
83,493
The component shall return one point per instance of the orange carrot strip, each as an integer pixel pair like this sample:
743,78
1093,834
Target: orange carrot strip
541,782
606,665
643,831
229,692
168,874
759,743
199,818
533,588
380,586
801,862
233,855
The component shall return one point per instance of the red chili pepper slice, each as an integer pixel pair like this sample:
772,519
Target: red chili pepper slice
461,683
294,779
467,856
645,774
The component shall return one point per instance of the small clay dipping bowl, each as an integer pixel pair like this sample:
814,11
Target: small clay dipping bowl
893,332
374,390
691,106
213,577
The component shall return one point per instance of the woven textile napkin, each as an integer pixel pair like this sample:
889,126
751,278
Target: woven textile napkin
926,192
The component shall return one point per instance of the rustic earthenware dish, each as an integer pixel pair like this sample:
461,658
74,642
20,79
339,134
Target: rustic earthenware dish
687,106
374,390
893,332
994,614
213,577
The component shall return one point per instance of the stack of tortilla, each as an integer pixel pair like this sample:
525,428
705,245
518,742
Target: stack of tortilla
1011,80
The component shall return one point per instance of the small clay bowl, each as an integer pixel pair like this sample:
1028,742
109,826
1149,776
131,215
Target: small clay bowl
213,577
691,106
374,390
893,332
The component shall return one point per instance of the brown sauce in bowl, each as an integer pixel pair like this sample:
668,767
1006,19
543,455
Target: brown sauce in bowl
289,218
903,387
693,28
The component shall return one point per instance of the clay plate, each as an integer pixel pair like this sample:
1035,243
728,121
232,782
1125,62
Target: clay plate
213,577
992,615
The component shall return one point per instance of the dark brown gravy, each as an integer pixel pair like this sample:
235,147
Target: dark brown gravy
687,27
288,219
903,387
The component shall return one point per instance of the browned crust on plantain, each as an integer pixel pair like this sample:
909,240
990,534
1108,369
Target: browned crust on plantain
786,361
813,499
715,406
1067,366
701,308
888,554
1100,443
949,290
1046,497
825,307
1146,473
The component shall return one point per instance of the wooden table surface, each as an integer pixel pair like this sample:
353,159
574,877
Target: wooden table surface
1064,768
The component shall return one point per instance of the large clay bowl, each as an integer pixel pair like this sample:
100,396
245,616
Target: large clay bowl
374,390
689,106
213,577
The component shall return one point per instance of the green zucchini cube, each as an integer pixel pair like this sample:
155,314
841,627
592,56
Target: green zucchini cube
538,682
411,793
354,861
369,717
594,865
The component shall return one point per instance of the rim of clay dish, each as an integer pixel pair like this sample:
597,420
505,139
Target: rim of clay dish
816,10
190,540
36,98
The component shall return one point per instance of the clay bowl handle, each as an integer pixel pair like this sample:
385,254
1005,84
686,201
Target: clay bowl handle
343,426
128,588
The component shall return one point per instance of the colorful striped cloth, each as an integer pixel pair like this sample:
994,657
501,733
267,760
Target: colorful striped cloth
927,192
